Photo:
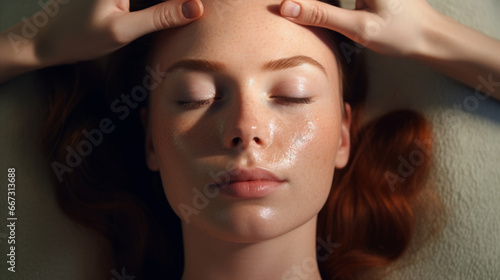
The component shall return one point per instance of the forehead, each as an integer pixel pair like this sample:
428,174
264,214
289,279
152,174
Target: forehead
245,34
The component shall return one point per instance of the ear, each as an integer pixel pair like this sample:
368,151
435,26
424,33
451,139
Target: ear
151,160
345,139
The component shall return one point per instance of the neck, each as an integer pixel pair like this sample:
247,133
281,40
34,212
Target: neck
289,256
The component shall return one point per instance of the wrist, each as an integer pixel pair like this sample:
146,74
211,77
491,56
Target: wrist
428,37
439,40
18,50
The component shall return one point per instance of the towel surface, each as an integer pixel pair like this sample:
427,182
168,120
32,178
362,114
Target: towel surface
466,166
466,170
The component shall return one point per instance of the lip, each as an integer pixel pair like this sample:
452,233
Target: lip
250,183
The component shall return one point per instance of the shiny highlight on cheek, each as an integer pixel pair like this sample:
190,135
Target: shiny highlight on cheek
295,144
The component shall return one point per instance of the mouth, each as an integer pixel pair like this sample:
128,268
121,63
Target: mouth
250,183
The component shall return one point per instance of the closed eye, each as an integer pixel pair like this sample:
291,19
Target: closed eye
292,100
191,105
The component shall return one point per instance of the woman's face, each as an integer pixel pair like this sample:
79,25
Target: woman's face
246,128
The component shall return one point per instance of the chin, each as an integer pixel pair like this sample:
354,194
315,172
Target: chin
245,223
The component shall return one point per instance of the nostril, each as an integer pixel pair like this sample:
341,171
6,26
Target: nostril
236,141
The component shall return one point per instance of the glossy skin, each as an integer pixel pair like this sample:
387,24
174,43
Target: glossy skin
286,121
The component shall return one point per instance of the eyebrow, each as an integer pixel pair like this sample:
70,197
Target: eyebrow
294,61
202,65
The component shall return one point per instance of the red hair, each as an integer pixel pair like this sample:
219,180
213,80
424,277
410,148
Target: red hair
369,212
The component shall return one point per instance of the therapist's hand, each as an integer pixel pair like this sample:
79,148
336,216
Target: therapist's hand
69,31
412,29
391,27
88,29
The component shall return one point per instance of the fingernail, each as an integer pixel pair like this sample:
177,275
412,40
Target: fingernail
290,9
190,9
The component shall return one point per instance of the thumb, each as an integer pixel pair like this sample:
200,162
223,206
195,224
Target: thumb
165,15
320,14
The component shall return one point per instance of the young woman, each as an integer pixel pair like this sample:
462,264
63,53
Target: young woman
252,123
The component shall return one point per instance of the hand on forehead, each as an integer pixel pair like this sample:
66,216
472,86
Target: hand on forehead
245,33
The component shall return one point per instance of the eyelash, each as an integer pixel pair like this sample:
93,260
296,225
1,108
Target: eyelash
191,105
293,101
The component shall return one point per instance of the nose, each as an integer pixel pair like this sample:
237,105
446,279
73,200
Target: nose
246,124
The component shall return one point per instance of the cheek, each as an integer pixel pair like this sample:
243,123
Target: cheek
309,158
178,144
179,140
307,143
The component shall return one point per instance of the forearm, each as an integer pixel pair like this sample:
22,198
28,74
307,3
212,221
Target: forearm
461,53
17,53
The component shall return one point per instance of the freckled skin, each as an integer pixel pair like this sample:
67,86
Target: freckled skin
300,143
